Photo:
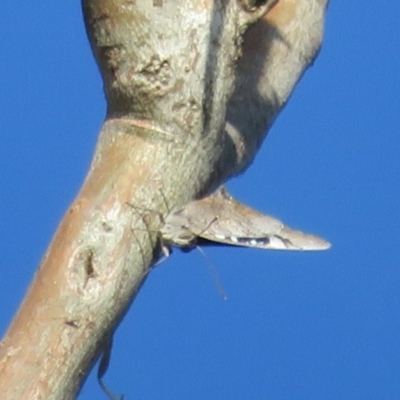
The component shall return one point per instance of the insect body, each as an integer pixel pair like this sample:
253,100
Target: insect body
220,219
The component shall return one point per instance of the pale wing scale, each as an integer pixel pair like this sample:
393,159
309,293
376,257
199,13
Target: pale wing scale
304,241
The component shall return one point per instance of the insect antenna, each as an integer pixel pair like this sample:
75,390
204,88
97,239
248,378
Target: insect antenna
165,247
214,273
147,229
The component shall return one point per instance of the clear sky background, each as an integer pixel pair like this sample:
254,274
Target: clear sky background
295,326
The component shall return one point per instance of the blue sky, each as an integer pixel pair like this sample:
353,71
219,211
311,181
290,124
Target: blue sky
295,325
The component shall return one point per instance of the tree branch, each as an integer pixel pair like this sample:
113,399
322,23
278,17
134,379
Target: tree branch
169,73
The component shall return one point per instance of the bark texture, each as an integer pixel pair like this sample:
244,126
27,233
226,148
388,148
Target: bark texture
186,111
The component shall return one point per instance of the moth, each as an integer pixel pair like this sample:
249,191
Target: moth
220,219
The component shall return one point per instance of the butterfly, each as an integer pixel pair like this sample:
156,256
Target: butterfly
221,219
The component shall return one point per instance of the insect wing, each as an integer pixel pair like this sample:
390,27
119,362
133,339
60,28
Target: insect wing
220,218
236,224
284,238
